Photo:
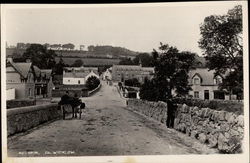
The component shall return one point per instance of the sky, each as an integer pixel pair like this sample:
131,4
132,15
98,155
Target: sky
138,27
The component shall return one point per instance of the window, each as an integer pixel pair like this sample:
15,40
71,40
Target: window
218,80
196,81
30,93
196,94
79,82
68,80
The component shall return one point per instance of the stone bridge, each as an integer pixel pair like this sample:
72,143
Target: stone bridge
108,127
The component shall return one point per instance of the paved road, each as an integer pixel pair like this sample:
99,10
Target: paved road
107,128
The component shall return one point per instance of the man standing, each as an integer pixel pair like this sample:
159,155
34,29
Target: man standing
171,113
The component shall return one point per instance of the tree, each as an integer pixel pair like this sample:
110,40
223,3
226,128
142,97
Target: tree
149,90
144,58
171,72
92,82
20,45
58,69
91,48
132,82
222,44
68,46
82,47
126,61
46,45
77,63
40,56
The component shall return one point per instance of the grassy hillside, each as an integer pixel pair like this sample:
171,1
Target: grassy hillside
94,52
90,61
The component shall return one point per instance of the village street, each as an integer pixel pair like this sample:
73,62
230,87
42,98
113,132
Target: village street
107,127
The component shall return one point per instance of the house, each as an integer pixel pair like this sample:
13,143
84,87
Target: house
120,73
19,76
78,75
205,84
107,75
43,82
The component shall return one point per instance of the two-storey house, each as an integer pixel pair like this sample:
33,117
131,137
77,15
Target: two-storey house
19,76
205,84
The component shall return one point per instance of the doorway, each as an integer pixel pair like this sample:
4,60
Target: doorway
206,94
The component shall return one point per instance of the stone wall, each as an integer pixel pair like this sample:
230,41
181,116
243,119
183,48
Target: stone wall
236,107
20,103
24,118
60,93
156,110
90,93
218,129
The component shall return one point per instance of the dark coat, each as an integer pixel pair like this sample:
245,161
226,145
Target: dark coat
171,107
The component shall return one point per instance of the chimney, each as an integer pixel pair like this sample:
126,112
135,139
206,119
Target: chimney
9,59
28,60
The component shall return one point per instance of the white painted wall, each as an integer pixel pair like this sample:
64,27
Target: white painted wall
201,90
107,75
10,94
73,81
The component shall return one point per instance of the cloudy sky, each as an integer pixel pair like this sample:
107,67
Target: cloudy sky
137,27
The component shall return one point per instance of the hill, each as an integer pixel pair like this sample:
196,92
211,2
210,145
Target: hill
90,61
93,52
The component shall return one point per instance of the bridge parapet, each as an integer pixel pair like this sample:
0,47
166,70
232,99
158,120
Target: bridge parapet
218,129
24,118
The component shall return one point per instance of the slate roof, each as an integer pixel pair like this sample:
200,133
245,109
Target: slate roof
22,68
206,76
150,69
37,71
75,74
127,67
46,73
82,68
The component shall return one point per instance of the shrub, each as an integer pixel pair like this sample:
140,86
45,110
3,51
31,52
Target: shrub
92,82
132,82
230,106
20,103
148,91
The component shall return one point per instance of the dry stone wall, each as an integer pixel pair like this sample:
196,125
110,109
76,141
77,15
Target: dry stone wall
24,118
20,103
218,129
156,110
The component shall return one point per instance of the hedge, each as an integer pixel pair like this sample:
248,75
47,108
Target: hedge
236,107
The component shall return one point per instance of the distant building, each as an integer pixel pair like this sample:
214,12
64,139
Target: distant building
78,75
205,84
82,47
107,75
125,72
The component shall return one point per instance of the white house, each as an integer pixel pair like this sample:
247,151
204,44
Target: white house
107,75
205,85
78,75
